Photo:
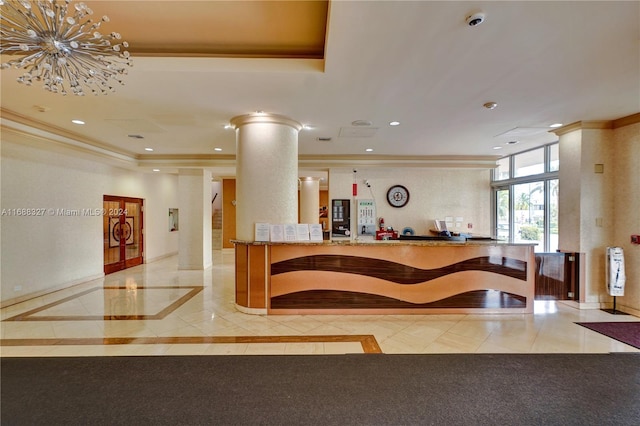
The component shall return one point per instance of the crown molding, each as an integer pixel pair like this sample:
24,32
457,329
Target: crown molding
17,121
598,124
453,161
46,140
259,118
626,121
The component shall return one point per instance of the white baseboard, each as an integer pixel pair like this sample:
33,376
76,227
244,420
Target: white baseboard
581,305
164,256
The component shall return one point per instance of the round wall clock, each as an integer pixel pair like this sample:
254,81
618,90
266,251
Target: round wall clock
398,196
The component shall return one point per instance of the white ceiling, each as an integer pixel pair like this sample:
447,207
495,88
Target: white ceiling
416,62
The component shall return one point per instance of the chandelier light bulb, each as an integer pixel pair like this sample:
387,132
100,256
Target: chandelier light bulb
63,52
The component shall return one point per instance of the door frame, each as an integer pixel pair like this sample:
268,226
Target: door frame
123,262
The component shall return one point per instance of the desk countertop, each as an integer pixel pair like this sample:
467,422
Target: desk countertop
390,243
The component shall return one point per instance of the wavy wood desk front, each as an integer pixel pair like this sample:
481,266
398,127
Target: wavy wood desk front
384,277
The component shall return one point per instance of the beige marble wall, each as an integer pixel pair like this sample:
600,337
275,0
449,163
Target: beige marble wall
596,207
569,191
599,206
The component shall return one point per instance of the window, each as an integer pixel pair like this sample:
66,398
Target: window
528,217
529,163
526,198
553,214
502,171
502,214
554,157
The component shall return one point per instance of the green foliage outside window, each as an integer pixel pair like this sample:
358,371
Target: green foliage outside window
531,233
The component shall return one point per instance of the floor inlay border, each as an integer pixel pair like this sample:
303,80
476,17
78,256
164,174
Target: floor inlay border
368,341
29,315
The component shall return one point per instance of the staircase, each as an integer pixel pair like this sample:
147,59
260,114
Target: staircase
216,229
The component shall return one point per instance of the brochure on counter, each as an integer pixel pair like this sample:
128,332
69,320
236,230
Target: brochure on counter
289,232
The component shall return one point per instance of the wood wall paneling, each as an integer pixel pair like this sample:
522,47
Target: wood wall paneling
242,275
258,276
228,212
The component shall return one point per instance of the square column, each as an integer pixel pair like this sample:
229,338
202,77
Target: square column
194,202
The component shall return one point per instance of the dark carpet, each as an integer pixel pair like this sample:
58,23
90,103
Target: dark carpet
484,389
625,332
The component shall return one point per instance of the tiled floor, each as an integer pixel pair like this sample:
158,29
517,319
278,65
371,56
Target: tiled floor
155,309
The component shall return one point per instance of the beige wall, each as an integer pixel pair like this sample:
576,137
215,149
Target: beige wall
434,194
599,210
626,217
44,253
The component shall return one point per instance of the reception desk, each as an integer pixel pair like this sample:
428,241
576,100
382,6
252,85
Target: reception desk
384,277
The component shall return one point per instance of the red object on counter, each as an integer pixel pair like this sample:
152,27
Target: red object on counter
387,235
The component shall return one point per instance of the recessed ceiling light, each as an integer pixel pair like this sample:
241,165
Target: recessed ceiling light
149,149
307,127
156,170
228,126
361,123
77,121
369,149
394,123
136,136
497,147
217,149
512,142
554,125
490,105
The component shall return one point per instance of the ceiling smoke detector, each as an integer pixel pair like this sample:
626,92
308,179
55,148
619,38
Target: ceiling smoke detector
475,19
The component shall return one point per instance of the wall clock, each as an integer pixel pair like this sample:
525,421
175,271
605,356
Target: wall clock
398,196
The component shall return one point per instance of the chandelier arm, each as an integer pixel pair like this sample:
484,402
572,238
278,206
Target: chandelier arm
11,19
61,47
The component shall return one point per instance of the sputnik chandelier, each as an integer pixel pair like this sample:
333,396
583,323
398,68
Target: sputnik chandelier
63,51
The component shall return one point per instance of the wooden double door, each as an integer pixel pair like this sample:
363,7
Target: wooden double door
122,232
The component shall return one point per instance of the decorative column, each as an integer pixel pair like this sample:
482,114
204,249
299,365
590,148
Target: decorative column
309,200
266,171
194,234
266,192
